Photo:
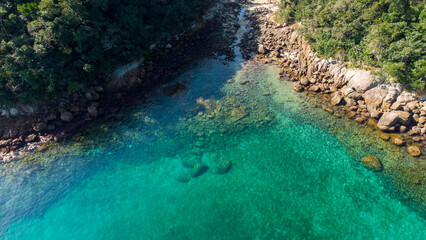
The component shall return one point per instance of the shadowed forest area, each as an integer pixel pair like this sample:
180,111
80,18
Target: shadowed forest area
52,47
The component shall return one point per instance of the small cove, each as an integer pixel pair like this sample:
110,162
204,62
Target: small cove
295,172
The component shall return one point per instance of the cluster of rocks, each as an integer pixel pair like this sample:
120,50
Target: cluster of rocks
47,123
357,92
231,114
197,167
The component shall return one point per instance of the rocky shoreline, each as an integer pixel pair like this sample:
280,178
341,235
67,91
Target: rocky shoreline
399,115
30,127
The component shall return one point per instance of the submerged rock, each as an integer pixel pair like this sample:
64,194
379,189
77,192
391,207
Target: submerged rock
223,166
399,141
190,161
184,178
414,151
372,163
199,169
175,88
385,136
244,82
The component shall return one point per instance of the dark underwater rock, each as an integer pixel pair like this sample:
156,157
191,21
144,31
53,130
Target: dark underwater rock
183,178
372,163
190,161
223,166
199,169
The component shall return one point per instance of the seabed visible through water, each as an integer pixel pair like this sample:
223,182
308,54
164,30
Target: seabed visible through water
294,170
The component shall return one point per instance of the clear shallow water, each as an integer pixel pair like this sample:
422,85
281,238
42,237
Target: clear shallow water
294,174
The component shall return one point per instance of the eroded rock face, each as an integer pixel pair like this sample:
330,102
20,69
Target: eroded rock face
372,163
388,120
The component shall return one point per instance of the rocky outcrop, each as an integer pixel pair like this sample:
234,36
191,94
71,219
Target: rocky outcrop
356,92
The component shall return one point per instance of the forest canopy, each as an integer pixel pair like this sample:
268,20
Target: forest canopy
52,47
389,34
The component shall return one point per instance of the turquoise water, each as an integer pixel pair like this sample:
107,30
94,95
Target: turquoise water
295,172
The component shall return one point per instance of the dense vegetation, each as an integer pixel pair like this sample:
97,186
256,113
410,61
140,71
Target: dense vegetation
389,34
51,47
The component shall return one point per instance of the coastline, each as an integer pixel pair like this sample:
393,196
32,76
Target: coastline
30,127
399,115
323,80
164,128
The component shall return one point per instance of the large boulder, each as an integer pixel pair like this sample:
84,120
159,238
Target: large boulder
66,116
406,97
414,151
336,100
223,166
304,81
297,87
391,96
388,120
261,49
402,100
93,111
374,97
190,161
404,117
323,65
372,163
360,80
